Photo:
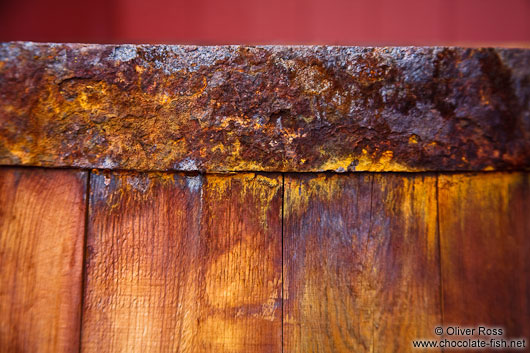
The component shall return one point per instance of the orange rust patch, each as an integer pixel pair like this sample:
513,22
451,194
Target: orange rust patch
219,109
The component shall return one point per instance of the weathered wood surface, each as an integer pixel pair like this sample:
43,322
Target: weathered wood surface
264,108
41,259
361,265
183,264
197,263
485,250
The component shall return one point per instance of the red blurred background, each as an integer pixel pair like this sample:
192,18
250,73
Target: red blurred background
346,22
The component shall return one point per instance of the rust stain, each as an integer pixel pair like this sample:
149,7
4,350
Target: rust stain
484,227
358,248
185,262
218,109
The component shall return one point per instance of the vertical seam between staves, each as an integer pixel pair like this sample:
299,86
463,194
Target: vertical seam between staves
440,272
282,223
83,268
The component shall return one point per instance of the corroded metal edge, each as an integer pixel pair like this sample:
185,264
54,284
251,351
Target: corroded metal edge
270,108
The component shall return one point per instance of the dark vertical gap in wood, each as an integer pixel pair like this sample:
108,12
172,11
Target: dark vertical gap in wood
439,252
371,204
283,222
83,269
370,236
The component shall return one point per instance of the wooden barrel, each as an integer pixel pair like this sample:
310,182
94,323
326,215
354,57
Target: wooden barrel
263,199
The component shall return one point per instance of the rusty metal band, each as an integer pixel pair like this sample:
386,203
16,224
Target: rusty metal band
273,108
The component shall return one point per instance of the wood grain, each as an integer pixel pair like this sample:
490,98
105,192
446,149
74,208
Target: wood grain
485,250
241,280
361,270
42,216
181,263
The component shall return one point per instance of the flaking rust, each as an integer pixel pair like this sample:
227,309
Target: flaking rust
274,108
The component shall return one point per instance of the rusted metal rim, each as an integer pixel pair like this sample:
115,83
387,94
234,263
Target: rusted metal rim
272,108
